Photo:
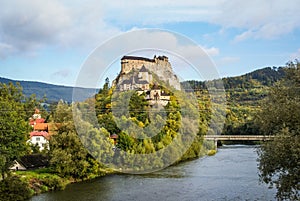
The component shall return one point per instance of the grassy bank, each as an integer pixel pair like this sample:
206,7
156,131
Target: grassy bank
42,180
22,185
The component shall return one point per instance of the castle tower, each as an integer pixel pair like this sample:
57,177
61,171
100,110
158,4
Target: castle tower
143,74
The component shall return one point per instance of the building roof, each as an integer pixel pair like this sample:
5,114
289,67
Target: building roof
41,120
143,82
136,58
164,94
114,136
36,121
127,81
162,57
143,69
40,133
41,127
34,161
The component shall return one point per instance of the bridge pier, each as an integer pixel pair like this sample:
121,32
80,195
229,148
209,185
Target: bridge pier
216,144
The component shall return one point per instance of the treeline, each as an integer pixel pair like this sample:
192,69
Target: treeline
243,95
261,77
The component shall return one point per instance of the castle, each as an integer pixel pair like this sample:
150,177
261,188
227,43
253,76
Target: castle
136,74
128,63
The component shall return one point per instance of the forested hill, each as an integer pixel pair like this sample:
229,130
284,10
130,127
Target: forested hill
258,78
53,93
243,95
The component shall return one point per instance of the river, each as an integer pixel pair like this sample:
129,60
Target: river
231,174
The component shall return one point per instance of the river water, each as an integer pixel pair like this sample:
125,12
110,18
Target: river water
229,175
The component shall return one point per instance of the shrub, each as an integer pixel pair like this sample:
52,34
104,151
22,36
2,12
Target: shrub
54,183
13,188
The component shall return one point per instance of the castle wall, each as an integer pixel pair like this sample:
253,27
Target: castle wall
128,64
158,65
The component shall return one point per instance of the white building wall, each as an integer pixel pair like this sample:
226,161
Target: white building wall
40,140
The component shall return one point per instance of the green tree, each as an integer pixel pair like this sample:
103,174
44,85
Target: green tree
68,156
13,188
279,159
13,127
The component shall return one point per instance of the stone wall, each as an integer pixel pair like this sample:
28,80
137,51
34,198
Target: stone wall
159,65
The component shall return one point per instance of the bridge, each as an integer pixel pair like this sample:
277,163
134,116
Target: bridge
238,137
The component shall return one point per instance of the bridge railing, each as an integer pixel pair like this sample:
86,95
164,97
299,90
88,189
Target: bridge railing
239,137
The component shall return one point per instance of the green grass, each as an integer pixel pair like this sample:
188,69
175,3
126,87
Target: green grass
42,180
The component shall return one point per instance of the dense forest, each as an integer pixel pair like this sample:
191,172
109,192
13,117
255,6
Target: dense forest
243,95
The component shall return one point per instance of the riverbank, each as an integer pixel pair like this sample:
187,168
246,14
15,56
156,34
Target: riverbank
35,182
22,185
231,174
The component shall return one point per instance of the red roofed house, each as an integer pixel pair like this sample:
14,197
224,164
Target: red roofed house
39,136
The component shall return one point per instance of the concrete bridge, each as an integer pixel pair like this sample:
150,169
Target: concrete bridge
215,138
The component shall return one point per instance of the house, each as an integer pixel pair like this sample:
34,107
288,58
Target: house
40,135
32,161
36,118
40,138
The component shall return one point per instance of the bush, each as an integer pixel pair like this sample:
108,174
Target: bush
54,183
13,188
211,152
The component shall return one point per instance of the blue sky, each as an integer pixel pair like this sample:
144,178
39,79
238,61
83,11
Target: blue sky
50,40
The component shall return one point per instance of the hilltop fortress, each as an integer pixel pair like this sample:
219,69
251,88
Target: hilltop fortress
159,65
144,75
128,63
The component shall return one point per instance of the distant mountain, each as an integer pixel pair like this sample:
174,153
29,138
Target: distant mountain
52,92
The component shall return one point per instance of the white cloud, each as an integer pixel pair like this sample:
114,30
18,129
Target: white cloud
5,49
29,25
265,19
26,26
212,51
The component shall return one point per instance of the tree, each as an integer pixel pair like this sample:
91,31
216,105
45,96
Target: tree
68,156
13,188
13,127
279,159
